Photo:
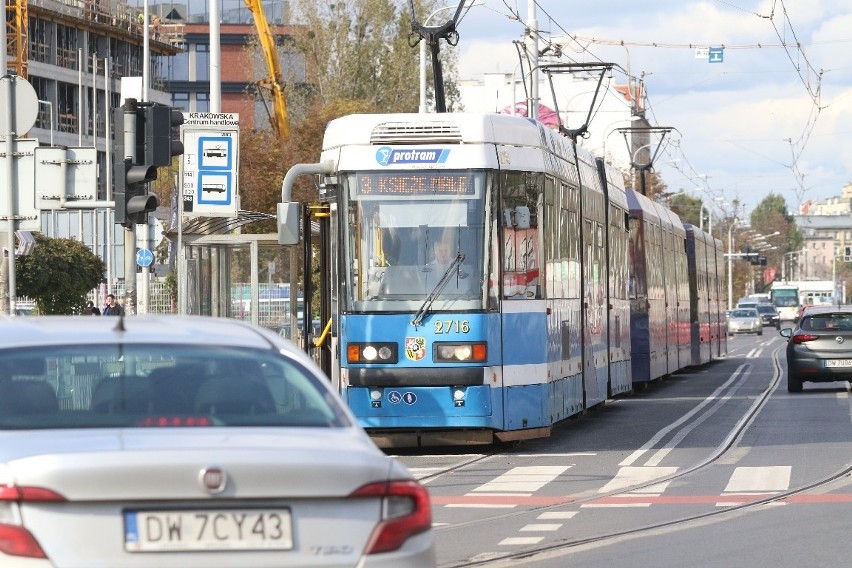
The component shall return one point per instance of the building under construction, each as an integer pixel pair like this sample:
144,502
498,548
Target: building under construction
74,53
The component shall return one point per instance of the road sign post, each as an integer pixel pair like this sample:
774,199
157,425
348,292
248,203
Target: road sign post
210,160
210,164
144,258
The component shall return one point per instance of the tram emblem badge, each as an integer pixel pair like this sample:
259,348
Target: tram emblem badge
415,348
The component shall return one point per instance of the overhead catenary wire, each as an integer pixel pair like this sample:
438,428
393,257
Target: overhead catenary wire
781,22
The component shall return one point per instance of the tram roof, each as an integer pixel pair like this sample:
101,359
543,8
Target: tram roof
438,128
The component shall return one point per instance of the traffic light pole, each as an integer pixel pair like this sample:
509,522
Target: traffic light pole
147,142
130,228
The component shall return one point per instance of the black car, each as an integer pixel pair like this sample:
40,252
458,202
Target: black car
819,348
769,315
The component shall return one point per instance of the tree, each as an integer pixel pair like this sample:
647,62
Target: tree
686,207
654,184
360,50
58,274
771,215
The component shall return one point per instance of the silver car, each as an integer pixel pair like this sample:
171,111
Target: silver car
745,320
187,441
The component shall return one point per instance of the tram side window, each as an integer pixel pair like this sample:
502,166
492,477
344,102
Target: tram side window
520,227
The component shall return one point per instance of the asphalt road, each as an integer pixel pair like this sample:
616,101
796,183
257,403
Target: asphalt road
715,466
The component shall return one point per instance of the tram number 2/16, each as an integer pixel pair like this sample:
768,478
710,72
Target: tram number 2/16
451,326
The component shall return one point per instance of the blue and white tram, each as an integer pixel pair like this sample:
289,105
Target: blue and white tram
659,329
707,322
527,322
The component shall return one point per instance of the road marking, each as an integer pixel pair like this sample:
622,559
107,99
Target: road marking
634,457
628,476
759,479
541,527
526,479
555,515
520,540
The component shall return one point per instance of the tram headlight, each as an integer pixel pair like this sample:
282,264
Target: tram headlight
460,352
380,353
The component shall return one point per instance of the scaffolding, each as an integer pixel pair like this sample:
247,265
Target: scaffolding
109,17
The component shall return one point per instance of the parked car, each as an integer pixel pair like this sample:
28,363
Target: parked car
745,320
769,315
159,440
819,348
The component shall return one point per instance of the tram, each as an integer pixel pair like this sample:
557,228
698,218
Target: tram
490,278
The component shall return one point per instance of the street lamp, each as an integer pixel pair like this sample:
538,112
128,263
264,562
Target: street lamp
704,208
730,263
470,4
784,265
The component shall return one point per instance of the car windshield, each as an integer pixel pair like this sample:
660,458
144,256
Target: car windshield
91,386
766,309
750,313
828,322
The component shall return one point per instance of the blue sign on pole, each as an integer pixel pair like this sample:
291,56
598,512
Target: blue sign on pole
716,55
144,257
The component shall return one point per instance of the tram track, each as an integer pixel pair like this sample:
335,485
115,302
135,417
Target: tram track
730,442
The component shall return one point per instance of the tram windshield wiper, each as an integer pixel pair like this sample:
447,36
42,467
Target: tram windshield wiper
430,299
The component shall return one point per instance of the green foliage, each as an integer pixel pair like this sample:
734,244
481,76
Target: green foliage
686,207
172,284
58,274
360,50
771,215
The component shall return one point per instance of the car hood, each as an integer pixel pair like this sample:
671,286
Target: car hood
137,464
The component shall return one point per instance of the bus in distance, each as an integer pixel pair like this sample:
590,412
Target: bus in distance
786,299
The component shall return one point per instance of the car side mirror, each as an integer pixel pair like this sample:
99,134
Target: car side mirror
786,332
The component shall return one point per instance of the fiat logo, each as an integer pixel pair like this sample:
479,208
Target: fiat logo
213,480
838,339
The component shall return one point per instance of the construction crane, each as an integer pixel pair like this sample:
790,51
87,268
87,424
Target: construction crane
17,27
275,81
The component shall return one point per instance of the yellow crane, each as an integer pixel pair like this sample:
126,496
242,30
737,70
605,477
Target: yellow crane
17,27
275,81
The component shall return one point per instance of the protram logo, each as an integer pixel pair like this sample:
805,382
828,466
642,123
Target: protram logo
387,156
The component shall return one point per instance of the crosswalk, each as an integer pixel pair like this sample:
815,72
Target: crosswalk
519,486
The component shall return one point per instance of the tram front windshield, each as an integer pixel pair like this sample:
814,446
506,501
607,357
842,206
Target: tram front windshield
415,236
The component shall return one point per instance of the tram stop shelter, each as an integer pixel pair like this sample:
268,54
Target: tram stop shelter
223,272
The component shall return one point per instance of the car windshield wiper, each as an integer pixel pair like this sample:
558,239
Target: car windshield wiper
430,299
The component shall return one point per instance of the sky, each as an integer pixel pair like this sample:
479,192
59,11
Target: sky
773,117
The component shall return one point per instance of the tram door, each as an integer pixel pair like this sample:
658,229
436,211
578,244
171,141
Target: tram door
322,346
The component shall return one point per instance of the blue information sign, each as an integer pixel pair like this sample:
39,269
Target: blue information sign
716,54
144,257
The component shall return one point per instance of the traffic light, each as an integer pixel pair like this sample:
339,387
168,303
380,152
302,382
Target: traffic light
130,174
160,135
146,139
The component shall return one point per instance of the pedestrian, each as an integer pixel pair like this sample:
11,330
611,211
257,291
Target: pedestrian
112,308
91,309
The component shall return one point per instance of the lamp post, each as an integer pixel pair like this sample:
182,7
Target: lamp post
470,4
784,265
730,263
704,208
